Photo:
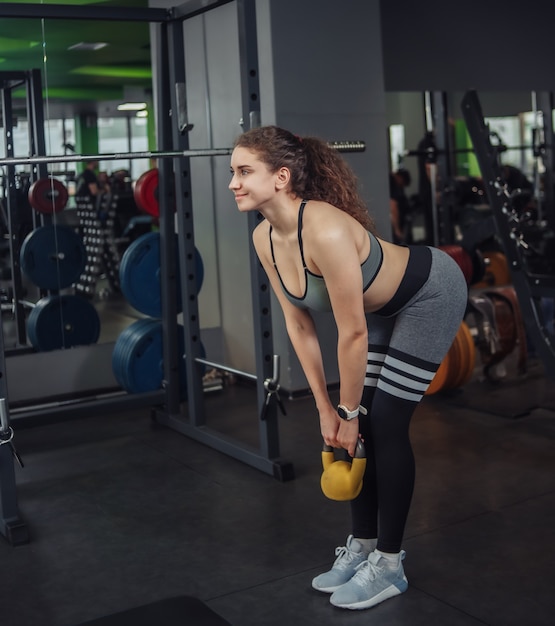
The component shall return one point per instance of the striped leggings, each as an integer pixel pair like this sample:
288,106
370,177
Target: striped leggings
405,350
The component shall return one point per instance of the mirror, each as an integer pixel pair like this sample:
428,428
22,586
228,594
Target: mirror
81,88
84,69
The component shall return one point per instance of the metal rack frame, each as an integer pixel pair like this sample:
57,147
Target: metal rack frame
173,138
266,458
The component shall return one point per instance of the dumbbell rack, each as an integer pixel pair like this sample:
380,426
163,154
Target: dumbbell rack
529,287
98,236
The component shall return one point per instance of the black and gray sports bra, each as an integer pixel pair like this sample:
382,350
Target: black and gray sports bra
316,295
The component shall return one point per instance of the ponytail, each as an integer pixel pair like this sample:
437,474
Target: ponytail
318,172
331,179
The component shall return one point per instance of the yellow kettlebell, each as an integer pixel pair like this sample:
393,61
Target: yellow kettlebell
342,480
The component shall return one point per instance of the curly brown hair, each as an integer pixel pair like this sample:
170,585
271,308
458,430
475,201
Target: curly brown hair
318,172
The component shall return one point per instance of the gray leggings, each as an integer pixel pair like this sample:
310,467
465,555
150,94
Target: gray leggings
404,352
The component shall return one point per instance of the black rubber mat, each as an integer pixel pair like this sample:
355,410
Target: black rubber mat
510,397
181,611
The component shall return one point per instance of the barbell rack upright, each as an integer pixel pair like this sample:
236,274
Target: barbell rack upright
172,132
12,526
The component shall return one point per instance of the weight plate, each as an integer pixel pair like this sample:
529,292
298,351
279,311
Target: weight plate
139,275
462,258
470,353
146,192
440,378
137,358
62,321
496,271
478,266
48,195
53,257
458,361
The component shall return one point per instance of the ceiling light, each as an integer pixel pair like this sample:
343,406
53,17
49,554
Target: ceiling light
142,113
115,71
132,106
88,46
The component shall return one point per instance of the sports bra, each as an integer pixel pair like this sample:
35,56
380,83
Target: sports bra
316,295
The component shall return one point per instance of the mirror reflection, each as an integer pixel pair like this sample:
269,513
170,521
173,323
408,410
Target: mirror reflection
90,84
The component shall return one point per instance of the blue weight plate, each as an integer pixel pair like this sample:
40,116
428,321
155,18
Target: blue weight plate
123,348
53,257
137,358
62,321
139,275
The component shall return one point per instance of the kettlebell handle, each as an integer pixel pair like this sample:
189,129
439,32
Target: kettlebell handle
360,451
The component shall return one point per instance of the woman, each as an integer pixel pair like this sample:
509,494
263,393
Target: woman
397,311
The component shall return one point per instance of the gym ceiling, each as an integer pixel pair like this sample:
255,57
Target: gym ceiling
80,79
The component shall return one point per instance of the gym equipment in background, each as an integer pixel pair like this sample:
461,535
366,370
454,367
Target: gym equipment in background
139,275
137,359
146,192
458,364
529,264
63,321
53,256
48,195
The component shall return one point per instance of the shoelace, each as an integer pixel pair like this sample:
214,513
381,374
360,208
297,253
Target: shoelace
344,557
366,572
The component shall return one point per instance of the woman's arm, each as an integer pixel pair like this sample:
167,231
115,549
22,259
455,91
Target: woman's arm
302,333
335,251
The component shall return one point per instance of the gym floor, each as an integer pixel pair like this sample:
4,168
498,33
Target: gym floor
124,512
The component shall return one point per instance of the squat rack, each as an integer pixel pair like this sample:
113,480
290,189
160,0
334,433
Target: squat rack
173,141
171,70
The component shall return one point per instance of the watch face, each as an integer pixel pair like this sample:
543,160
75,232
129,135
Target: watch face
342,413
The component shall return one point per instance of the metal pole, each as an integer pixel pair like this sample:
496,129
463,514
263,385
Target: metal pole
14,218
11,525
545,103
443,227
185,226
172,348
341,146
117,156
537,144
226,368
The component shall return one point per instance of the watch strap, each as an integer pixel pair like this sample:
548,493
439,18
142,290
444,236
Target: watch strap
347,415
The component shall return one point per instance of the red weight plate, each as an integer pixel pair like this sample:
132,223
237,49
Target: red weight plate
462,258
48,195
146,192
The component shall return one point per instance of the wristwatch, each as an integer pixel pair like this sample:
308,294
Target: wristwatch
347,415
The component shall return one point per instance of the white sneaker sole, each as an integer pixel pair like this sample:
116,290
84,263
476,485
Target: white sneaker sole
388,592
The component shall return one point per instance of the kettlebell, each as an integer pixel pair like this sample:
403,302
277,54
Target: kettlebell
342,480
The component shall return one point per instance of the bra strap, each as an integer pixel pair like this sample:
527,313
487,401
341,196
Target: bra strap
299,232
272,247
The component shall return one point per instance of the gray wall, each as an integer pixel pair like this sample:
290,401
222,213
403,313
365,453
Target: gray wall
328,81
486,45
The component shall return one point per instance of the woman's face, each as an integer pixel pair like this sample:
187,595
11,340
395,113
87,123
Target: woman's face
252,183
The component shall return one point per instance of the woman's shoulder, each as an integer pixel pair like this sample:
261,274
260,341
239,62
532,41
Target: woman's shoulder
322,214
323,217
260,233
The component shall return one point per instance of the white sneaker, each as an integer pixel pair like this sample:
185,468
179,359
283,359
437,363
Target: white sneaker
349,557
373,582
